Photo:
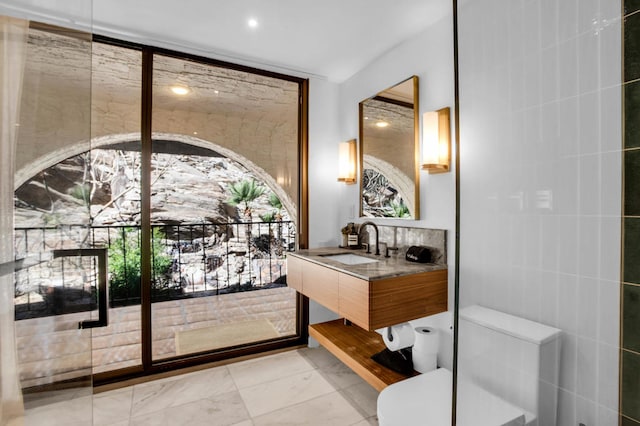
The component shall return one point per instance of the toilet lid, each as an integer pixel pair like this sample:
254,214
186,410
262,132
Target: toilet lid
425,400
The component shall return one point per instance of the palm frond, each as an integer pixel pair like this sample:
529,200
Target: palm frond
244,191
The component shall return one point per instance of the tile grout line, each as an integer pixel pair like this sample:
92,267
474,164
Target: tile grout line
235,384
257,360
301,402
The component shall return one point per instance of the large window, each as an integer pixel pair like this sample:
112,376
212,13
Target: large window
191,180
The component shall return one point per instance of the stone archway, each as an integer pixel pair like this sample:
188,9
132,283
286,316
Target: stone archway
402,182
56,156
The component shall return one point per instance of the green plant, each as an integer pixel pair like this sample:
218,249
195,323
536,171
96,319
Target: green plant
275,202
81,192
245,192
124,264
400,209
51,219
268,217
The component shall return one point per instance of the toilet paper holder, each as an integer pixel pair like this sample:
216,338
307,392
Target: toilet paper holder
389,334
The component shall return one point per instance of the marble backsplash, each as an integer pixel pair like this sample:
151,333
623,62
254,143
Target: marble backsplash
404,237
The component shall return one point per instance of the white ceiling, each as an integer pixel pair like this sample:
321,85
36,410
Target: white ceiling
330,39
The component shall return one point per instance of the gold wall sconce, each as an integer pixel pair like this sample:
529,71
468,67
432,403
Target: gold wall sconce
347,162
436,141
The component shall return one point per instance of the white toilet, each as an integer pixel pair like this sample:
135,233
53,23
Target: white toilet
507,375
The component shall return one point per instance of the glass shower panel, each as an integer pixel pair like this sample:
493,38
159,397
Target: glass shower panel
55,291
92,199
224,201
540,227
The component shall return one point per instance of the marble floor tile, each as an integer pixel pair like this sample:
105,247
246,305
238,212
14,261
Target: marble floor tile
330,409
260,370
112,407
339,375
75,412
274,395
363,397
335,371
179,390
245,423
371,421
121,423
34,400
318,357
222,410
302,387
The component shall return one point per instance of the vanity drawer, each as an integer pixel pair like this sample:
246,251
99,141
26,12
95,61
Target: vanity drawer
354,299
405,298
321,284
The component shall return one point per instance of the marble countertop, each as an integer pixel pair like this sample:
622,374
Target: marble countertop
385,267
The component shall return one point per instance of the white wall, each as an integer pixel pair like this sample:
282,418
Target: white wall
428,55
323,187
540,115
333,118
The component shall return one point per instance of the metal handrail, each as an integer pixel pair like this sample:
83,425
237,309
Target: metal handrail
178,240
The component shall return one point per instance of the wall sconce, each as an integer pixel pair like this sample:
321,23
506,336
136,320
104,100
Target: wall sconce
436,141
347,162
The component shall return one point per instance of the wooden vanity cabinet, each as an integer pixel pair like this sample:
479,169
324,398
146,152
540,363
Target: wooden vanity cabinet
370,304
381,303
294,273
314,281
353,303
320,283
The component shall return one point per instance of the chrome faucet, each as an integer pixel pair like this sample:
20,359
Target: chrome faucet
362,226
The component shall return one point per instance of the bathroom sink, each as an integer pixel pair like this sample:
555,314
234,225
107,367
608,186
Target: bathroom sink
349,258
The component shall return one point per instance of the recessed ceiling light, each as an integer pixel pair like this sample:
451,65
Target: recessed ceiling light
180,90
382,124
252,22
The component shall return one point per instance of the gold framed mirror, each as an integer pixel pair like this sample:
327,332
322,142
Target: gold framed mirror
389,153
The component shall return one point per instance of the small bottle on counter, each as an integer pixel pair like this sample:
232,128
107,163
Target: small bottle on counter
352,240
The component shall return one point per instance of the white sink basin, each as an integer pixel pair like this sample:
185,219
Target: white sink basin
349,258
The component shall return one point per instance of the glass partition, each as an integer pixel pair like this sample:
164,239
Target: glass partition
56,292
540,185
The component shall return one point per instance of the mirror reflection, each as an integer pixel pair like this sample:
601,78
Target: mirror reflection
388,153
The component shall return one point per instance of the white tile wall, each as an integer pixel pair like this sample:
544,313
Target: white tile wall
540,132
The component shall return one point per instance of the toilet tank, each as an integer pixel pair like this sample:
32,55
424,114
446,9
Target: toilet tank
514,358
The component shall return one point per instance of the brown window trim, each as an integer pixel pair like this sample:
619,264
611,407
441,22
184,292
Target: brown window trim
149,366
